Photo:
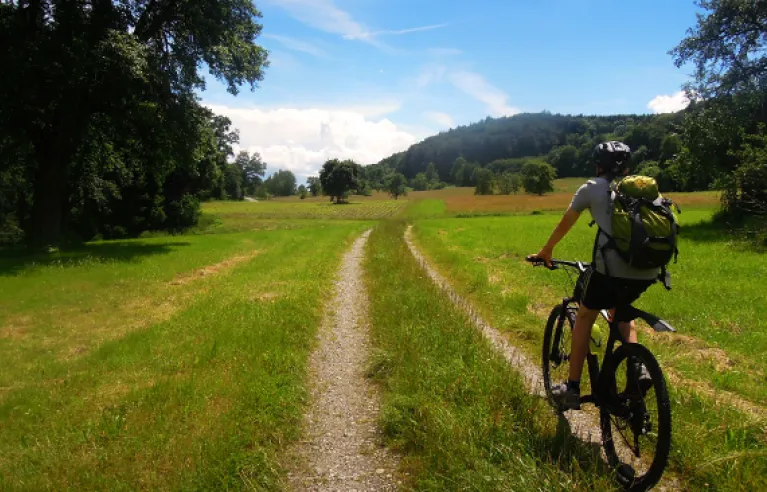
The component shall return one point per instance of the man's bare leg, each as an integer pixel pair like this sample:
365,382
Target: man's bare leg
581,335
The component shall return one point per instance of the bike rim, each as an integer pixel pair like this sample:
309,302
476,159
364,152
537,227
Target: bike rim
636,439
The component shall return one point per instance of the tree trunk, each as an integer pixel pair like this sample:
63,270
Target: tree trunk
47,217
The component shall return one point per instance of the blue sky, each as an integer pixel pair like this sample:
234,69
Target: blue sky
365,78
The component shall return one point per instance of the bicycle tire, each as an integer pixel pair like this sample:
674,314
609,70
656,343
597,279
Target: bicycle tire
553,334
655,471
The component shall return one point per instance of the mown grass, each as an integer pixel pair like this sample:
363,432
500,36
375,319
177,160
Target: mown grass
452,405
357,209
716,304
99,392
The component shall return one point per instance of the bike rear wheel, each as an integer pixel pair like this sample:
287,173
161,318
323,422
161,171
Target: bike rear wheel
636,419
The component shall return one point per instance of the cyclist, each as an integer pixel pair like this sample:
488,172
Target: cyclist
609,281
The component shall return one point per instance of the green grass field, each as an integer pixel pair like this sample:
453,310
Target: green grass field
160,363
452,405
178,362
716,361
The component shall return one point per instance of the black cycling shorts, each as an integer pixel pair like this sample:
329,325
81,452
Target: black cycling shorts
598,291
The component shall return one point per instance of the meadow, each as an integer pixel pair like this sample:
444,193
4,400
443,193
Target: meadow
179,362
160,363
715,361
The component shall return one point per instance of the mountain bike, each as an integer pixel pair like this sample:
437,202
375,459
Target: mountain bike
630,409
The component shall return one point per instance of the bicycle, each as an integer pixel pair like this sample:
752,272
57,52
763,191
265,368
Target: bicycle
623,402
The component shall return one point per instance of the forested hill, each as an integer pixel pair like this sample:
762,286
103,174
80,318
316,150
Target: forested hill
567,142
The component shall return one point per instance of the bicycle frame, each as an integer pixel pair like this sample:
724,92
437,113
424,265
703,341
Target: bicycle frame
600,379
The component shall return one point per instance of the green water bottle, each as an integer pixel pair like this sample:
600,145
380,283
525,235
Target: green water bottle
596,344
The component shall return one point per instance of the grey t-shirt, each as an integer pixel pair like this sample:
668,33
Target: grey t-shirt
595,196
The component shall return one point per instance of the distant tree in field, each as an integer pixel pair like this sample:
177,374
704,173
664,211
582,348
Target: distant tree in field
281,183
509,183
396,185
420,182
338,178
302,191
538,177
252,169
314,185
485,181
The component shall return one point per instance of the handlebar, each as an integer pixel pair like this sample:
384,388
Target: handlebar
555,264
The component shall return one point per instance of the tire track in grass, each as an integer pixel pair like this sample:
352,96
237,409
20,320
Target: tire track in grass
584,425
341,449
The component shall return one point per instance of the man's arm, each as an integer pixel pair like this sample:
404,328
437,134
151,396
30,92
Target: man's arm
565,224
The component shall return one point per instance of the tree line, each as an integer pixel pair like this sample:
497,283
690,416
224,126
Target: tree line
101,130
102,133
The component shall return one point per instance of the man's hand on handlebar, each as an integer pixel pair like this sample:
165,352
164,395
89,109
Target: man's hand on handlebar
543,256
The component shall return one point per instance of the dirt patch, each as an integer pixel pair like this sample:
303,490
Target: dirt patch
213,269
342,447
265,297
16,328
494,278
539,309
692,346
755,412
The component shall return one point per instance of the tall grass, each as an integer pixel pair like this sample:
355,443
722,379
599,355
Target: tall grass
715,304
452,405
204,398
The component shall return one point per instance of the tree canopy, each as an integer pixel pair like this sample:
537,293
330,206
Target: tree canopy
101,128
338,178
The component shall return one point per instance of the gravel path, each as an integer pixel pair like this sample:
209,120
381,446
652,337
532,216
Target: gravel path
341,449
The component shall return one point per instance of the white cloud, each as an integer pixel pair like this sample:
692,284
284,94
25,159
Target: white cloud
477,87
444,120
324,15
301,140
669,104
398,32
430,74
297,45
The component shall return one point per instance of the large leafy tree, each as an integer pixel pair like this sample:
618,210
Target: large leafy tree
252,170
727,47
111,84
281,183
338,178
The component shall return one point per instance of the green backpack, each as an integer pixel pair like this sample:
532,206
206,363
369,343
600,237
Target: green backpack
645,227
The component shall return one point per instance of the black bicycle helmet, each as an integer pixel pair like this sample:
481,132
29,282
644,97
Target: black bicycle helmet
612,156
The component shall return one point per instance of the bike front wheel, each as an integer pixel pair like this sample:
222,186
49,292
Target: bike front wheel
636,417
556,347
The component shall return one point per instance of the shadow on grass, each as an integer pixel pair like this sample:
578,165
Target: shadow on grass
564,448
15,261
751,233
